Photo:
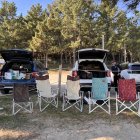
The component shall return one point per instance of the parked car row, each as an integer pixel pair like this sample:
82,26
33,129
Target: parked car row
20,67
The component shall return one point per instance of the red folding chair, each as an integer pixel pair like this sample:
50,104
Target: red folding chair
127,97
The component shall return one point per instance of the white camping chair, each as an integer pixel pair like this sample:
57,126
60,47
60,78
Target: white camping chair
46,95
21,99
99,97
72,96
127,97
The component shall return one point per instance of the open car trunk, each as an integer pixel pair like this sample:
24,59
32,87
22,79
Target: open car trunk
17,70
90,69
92,54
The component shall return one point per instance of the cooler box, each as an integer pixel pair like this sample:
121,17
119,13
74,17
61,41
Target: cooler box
8,75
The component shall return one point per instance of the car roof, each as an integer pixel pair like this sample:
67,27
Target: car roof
97,49
135,63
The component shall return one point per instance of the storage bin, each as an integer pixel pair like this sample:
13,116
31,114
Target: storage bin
8,75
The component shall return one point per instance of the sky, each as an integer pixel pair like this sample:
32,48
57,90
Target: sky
23,6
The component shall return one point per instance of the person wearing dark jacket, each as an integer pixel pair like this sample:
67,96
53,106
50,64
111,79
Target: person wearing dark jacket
116,71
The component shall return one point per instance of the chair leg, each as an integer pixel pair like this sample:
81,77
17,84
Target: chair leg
116,105
54,102
109,107
13,108
139,108
39,103
81,105
64,103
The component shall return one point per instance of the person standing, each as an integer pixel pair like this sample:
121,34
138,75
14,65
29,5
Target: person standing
116,71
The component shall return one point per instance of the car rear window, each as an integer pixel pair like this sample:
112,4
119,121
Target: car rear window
16,66
90,55
91,65
135,67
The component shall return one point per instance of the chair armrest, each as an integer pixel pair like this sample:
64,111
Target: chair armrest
116,95
64,92
138,95
108,94
39,92
81,93
90,95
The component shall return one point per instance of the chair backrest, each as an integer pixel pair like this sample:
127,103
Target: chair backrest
99,88
43,85
127,89
21,93
73,87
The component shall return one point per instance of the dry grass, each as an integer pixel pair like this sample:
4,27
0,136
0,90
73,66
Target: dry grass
27,126
13,134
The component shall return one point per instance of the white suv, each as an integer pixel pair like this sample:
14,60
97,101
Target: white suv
131,71
89,64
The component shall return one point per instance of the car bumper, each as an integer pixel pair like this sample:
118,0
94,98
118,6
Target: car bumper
4,85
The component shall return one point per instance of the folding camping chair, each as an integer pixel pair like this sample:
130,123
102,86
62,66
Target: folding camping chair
127,97
72,96
46,95
99,92
21,99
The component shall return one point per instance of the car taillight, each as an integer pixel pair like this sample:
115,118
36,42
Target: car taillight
34,74
74,73
108,73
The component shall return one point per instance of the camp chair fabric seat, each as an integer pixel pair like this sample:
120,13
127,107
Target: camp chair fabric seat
127,97
21,99
99,92
72,93
46,94
127,90
19,93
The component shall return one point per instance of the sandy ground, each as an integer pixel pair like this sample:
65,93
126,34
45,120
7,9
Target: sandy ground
78,126
93,129
98,129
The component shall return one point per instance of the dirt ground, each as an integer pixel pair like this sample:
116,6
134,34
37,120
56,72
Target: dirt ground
53,124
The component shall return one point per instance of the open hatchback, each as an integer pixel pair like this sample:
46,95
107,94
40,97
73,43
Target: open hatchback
90,62
19,67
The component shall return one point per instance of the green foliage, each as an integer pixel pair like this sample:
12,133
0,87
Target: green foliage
7,10
67,25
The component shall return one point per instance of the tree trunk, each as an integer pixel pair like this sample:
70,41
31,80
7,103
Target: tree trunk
61,58
70,59
66,58
46,60
125,53
73,56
